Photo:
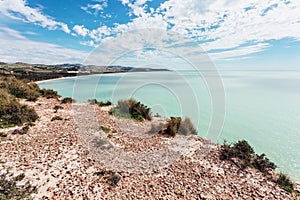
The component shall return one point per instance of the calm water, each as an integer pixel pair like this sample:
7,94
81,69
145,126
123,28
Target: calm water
262,107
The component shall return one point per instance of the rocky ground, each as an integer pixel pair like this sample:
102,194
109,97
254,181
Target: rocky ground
74,158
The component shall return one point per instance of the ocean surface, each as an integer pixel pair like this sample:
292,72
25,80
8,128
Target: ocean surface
262,107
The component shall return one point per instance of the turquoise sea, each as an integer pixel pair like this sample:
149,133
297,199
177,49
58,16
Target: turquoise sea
262,107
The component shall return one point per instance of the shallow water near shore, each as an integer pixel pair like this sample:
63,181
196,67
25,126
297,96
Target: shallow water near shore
261,106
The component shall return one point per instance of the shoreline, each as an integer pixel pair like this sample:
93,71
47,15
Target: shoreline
54,79
94,74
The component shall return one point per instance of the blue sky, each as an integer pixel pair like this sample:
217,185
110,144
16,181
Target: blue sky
243,34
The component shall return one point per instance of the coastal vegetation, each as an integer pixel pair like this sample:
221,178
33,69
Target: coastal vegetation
105,129
21,131
38,72
187,127
13,113
67,100
246,156
111,177
171,127
19,88
131,109
11,189
104,103
100,103
49,93
56,108
56,117
174,126
285,182
243,155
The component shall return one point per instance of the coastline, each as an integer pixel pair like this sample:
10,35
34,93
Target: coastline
54,79
94,74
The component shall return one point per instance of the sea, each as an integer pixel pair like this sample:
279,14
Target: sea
260,106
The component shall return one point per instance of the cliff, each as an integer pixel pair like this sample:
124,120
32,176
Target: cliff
85,153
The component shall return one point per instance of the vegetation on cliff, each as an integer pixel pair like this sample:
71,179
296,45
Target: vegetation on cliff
12,112
174,126
100,103
131,109
19,88
11,189
243,155
246,156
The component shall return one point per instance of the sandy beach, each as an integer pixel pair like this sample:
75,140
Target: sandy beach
49,80
73,158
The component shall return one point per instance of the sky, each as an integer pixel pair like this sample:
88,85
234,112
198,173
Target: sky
231,33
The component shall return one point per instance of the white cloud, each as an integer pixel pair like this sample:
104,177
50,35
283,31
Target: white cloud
229,24
95,8
81,30
89,43
18,9
242,51
234,28
15,47
137,7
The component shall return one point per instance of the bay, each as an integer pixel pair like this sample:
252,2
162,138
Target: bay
262,107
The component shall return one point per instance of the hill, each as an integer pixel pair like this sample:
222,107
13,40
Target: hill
80,151
38,72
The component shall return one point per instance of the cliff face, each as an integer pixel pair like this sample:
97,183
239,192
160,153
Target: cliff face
90,154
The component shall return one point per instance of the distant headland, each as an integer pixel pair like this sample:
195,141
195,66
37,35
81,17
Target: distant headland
38,72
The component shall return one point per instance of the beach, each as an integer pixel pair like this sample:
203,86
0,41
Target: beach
54,79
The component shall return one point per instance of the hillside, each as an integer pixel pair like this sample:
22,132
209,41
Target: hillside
88,154
37,72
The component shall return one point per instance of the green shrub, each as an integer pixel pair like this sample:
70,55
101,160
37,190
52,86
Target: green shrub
114,179
12,112
110,176
226,152
57,107
56,118
104,103
22,131
49,93
32,93
187,127
100,173
172,126
262,163
105,129
9,188
67,100
20,177
20,88
246,155
99,103
241,150
3,135
92,101
131,109
285,182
